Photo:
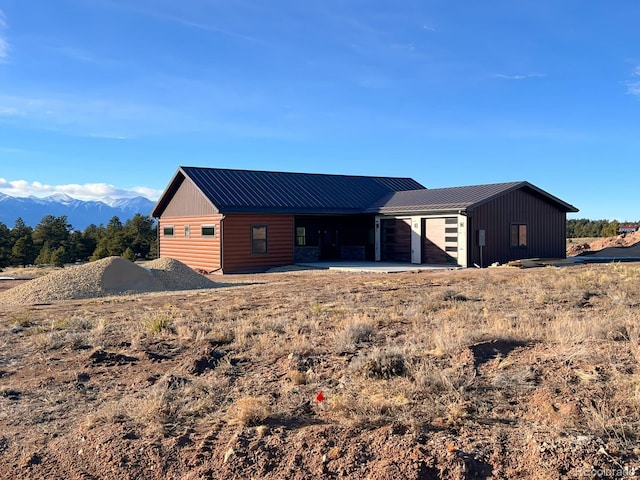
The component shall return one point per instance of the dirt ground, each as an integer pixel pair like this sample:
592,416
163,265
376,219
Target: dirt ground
497,373
625,245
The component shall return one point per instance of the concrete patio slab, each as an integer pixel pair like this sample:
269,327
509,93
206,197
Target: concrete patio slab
377,267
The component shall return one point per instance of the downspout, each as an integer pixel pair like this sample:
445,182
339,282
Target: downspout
222,244
158,235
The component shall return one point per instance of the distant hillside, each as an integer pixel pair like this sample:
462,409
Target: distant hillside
79,213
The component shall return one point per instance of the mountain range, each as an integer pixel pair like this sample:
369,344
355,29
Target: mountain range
80,213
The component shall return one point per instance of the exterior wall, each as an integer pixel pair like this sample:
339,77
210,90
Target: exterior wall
188,201
422,239
236,234
195,251
546,229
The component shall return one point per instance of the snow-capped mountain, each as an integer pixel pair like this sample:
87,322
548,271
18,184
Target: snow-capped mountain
80,213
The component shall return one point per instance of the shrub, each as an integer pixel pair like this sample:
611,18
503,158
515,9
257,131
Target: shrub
383,363
250,411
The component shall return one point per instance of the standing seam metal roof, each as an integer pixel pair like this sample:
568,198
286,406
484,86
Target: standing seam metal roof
251,191
262,191
455,198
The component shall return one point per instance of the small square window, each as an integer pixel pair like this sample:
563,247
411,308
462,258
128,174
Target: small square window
167,231
208,230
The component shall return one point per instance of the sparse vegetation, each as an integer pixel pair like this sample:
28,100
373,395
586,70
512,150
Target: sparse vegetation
521,373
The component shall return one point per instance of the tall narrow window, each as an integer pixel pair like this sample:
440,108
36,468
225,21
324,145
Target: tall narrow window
187,231
301,236
518,235
258,239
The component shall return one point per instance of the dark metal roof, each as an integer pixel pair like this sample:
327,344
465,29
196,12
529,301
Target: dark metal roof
456,198
282,192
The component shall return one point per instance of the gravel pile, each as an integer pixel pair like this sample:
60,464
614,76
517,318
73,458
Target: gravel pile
109,276
175,275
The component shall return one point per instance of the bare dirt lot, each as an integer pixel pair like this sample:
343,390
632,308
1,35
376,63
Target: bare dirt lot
620,246
495,373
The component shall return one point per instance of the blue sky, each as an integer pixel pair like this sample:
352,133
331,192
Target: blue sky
109,97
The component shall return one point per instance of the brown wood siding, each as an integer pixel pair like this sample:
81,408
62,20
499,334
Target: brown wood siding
195,251
236,231
396,240
546,229
188,201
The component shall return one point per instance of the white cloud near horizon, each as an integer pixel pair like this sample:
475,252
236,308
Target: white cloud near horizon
87,191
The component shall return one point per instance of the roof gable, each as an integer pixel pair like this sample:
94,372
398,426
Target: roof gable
281,192
457,198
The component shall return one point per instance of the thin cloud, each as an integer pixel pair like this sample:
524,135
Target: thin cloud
87,191
4,44
120,120
633,86
155,13
520,76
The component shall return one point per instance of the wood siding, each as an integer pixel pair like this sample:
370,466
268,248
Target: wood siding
236,232
188,201
546,229
195,251
396,240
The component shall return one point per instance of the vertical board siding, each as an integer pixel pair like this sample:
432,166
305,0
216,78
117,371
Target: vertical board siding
546,229
195,251
188,201
236,231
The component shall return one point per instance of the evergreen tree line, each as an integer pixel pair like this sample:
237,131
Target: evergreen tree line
583,227
54,241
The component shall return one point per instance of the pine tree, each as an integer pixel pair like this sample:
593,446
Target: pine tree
23,252
129,255
5,246
58,257
44,257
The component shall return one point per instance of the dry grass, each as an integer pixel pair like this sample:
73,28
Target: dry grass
546,352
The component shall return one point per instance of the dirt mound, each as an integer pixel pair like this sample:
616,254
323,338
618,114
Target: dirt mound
175,275
577,249
109,276
608,246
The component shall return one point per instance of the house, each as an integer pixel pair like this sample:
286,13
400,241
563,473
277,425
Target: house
627,228
242,220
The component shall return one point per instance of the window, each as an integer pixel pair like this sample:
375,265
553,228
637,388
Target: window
167,231
301,236
518,235
187,231
208,230
258,239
